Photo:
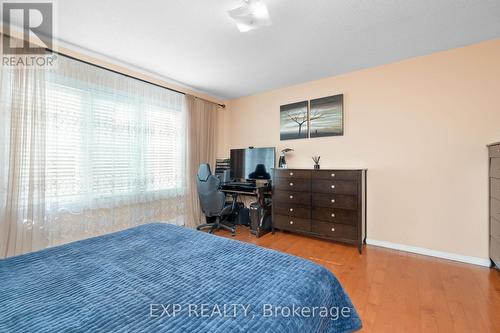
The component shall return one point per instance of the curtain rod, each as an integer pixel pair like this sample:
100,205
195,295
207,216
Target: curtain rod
130,76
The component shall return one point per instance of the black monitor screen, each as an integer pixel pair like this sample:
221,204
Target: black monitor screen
252,163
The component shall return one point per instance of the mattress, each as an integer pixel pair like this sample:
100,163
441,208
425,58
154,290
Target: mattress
165,278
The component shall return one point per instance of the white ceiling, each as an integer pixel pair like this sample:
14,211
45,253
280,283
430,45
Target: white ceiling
196,43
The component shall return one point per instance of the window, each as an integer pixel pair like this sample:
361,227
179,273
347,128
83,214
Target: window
86,151
114,140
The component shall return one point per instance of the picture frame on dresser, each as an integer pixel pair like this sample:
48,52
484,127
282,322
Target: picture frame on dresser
327,203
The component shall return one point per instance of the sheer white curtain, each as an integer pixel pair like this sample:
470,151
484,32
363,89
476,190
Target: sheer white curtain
88,151
22,161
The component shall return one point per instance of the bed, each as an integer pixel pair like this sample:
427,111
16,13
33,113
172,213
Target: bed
165,278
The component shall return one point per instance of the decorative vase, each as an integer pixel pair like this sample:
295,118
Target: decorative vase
316,166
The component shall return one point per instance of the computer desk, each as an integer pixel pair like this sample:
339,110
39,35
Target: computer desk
235,189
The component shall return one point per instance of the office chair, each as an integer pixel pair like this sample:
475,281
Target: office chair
213,201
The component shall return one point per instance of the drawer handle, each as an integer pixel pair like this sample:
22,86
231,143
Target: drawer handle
333,200
333,175
333,186
333,229
291,184
291,173
291,197
291,209
291,222
333,214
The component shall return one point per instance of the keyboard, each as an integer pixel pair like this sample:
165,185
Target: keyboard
239,186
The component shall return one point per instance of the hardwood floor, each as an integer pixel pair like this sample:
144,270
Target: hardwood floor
396,291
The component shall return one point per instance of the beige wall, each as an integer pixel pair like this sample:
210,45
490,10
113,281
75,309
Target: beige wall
420,126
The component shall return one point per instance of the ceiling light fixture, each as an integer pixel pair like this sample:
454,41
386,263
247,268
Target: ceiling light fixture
252,14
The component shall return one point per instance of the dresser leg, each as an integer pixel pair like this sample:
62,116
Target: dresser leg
360,248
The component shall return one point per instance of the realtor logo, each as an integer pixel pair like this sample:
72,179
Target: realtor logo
36,22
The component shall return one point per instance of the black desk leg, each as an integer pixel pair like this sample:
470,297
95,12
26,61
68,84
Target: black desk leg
235,198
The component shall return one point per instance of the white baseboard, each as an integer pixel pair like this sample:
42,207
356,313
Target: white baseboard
431,253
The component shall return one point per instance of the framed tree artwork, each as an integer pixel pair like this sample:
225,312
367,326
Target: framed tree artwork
312,119
294,121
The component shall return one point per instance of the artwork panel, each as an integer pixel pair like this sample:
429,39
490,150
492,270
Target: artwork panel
294,121
327,116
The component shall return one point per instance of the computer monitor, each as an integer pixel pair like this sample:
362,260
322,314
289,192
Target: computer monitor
252,163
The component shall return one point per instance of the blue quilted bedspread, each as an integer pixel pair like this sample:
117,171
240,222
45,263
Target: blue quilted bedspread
164,278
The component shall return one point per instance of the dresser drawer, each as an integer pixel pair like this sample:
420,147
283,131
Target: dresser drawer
336,174
292,210
291,197
495,188
495,228
292,223
334,201
333,230
335,186
291,173
335,215
494,151
495,167
291,184
495,250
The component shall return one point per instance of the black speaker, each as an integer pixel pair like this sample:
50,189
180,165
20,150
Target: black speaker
242,215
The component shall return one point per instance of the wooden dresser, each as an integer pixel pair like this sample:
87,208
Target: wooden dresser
494,152
329,204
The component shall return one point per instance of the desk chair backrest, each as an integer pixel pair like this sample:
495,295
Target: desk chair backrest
211,199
